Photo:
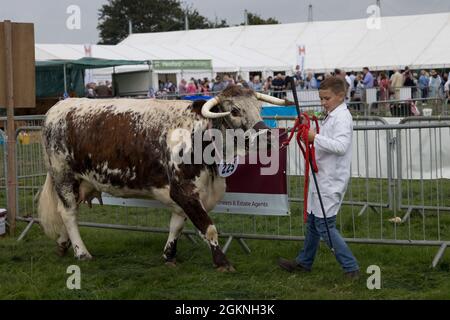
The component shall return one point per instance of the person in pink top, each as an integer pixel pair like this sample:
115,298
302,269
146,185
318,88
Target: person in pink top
191,88
204,87
384,92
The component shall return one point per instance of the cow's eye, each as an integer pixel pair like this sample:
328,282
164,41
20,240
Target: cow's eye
235,112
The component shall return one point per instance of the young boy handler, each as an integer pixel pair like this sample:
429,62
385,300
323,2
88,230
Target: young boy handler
333,156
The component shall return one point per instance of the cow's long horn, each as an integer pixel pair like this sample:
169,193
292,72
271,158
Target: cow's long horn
270,99
206,109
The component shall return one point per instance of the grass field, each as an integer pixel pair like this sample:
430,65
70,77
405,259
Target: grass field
128,265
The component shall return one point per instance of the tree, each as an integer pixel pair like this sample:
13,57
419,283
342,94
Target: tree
146,16
254,19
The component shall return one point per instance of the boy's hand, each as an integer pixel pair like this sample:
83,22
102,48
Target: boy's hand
311,135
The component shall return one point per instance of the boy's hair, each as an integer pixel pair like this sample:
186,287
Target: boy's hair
336,84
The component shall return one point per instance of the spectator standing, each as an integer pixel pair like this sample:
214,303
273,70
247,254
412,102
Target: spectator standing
191,88
182,87
409,82
396,83
170,87
204,87
268,85
447,89
110,88
90,90
443,82
341,74
423,84
384,92
434,84
310,81
298,73
227,80
368,78
151,93
102,91
319,79
359,91
256,84
352,77
242,82
384,87
349,82
218,85
278,86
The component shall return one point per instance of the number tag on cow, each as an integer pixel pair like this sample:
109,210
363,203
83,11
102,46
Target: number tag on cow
227,169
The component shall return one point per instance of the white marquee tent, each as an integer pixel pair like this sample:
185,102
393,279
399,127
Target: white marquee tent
419,41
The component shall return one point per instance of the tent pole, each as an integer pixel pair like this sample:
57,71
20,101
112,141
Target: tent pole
114,81
65,82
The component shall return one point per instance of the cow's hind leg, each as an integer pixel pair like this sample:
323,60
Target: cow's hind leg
190,203
63,243
69,217
176,226
68,208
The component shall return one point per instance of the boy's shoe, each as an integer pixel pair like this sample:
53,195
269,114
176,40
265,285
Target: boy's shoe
352,275
292,266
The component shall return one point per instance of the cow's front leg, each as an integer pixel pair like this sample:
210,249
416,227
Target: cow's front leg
176,226
189,201
220,260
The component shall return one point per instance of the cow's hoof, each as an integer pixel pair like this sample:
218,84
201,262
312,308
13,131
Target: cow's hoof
61,249
228,268
84,257
171,263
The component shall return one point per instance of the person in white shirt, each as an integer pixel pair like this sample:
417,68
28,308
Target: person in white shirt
333,156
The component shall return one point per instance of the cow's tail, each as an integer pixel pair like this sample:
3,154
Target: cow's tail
49,217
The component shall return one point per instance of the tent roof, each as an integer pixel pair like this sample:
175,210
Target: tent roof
419,41
86,63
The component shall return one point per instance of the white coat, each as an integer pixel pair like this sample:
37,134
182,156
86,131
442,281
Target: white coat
333,156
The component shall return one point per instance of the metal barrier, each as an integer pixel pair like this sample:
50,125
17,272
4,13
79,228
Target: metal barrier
371,102
403,108
376,194
419,159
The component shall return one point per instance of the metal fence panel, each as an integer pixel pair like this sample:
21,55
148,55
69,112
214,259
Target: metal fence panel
381,190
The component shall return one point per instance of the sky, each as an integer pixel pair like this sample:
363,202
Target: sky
58,21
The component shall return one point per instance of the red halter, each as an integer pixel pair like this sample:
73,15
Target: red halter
303,127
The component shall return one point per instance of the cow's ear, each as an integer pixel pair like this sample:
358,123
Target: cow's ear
198,104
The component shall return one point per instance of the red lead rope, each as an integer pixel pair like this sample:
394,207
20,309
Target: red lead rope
308,151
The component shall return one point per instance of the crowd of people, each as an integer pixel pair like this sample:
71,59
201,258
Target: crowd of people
423,83
100,90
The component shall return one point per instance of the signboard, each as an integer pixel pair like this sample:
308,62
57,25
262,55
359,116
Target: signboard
23,76
301,52
248,192
182,64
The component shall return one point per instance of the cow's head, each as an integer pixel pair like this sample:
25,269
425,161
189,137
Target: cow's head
240,108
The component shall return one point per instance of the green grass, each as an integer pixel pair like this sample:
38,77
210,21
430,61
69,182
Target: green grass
128,265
